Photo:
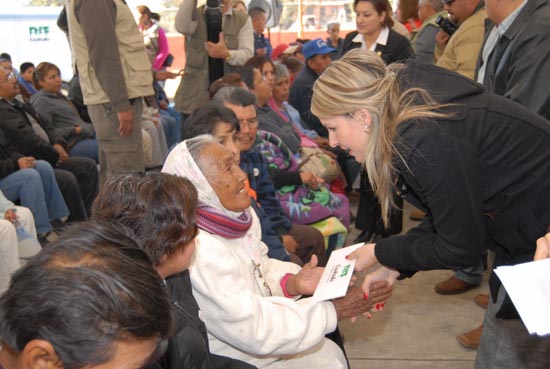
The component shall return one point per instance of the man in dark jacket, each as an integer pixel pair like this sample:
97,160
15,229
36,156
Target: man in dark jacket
518,64
514,66
317,54
27,134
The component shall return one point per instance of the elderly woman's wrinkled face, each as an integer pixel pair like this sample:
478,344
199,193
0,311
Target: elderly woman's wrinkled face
224,175
282,89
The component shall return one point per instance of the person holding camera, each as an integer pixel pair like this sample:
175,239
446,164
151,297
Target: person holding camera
423,42
458,52
234,48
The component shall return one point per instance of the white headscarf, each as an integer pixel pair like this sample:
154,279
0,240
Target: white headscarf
180,162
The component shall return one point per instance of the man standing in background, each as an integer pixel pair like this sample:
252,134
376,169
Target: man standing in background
459,51
115,73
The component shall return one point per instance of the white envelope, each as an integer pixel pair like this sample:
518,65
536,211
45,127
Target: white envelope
337,275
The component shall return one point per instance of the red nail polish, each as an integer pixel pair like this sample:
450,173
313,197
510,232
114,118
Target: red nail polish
365,296
383,304
347,257
377,306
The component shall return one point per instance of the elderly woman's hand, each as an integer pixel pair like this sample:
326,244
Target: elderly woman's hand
357,303
306,281
543,248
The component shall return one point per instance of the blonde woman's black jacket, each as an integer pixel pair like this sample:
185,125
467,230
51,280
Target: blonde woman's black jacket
482,175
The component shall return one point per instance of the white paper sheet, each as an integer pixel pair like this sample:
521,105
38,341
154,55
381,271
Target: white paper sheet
337,275
528,285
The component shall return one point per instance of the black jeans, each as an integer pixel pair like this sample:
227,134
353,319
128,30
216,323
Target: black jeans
78,180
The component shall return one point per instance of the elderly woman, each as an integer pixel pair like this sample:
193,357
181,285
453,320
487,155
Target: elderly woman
167,233
60,112
477,163
91,300
248,299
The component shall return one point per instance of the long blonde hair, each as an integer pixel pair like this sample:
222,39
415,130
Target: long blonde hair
361,80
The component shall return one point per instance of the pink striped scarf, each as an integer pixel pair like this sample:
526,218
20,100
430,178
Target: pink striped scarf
217,222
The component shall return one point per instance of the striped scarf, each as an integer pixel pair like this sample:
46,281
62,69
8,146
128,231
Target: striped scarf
217,222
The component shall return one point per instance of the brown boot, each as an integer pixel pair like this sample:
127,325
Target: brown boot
453,286
482,300
471,339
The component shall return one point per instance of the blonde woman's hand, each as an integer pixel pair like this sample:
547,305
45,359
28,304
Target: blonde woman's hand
365,257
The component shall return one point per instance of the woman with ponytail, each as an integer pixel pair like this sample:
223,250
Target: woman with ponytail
476,163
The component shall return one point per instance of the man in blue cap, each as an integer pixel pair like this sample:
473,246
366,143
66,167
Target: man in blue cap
317,55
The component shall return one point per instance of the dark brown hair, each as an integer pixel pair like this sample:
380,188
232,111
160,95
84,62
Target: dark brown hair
159,208
40,73
380,6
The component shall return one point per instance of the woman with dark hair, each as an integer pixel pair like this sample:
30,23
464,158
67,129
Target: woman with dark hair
160,210
407,14
60,112
89,300
476,163
154,37
375,33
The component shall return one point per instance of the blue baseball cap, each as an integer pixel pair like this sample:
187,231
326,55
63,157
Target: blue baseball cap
316,47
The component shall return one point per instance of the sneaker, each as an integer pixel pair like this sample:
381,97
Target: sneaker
46,238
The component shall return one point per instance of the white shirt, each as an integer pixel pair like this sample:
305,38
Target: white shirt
381,40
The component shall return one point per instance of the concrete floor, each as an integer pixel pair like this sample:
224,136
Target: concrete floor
418,327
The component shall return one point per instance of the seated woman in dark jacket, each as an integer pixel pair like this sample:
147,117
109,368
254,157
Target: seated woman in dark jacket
160,209
57,110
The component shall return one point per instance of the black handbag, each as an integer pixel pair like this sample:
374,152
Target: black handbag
168,61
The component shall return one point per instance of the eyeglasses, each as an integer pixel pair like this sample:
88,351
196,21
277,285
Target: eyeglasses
447,2
9,77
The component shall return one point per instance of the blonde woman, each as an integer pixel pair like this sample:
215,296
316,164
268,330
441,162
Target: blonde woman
477,163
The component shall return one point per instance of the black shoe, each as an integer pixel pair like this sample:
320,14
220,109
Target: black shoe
366,237
46,238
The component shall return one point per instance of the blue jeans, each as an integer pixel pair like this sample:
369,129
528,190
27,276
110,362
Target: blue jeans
37,190
472,275
86,148
172,128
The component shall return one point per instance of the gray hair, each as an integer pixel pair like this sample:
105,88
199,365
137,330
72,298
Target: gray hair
235,96
281,71
195,146
436,5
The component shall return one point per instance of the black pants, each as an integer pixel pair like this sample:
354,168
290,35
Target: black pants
78,180
369,212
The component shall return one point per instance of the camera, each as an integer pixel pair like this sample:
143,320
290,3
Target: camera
446,25
213,20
